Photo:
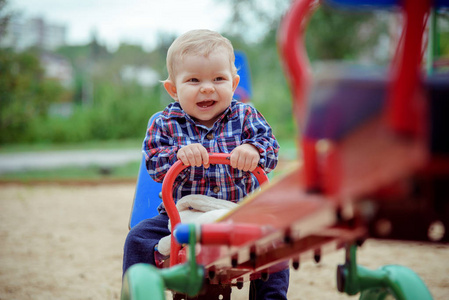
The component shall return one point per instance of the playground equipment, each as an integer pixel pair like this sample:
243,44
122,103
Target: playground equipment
148,195
375,165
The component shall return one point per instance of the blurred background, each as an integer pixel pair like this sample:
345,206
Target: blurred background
86,74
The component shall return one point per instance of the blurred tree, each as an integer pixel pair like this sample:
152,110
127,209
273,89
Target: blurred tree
119,108
4,18
253,19
331,34
164,40
131,54
25,93
97,51
343,35
443,32
79,57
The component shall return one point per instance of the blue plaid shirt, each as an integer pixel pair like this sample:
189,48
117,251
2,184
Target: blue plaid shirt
240,123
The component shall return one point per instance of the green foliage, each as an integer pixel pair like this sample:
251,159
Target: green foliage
25,94
105,106
443,35
117,113
271,94
337,35
121,172
4,18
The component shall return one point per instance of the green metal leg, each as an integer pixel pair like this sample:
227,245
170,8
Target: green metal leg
143,281
387,282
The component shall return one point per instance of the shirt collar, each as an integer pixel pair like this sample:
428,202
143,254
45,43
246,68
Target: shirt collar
174,111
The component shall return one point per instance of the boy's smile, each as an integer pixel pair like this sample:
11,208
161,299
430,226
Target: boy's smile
206,104
203,86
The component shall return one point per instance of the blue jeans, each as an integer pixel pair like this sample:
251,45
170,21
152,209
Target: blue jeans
139,248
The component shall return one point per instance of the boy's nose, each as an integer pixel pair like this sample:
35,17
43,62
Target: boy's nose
207,88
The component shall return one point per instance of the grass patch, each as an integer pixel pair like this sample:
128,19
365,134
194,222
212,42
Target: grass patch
288,150
127,171
41,147
288,147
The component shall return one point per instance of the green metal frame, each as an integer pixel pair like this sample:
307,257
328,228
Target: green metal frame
142,280
392,280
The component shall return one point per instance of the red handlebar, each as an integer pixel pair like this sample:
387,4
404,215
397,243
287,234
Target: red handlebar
169,203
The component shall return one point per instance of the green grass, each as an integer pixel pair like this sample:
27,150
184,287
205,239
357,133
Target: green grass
288,147
112,144
94,173
288,150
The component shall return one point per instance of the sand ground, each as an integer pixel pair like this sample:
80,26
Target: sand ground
65,242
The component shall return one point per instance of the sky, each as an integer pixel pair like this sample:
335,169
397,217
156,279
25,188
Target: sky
130,21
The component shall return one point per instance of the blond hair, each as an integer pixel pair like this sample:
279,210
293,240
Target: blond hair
198,42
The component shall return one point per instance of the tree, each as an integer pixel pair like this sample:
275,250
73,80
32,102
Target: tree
25,93
331,33
4,17
253,19
343,35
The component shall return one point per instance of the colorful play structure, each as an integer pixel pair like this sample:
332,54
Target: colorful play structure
374,149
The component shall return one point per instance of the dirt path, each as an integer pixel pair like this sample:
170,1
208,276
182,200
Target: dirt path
65,242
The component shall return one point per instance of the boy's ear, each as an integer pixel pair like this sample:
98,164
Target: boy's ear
235,82
170,87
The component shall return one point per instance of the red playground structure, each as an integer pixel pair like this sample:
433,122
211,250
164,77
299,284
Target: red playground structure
374,149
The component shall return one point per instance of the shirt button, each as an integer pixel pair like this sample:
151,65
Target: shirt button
216,189
210,136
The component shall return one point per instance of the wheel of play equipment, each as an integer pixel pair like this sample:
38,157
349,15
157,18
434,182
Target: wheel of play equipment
141,280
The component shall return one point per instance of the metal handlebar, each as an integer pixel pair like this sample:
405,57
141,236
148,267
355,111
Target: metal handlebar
169,203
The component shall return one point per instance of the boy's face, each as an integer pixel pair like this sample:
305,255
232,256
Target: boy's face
203,86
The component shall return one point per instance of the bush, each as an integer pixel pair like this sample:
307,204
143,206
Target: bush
113,115
25,94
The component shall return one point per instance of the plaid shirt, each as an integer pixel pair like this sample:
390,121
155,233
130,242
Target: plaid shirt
240,123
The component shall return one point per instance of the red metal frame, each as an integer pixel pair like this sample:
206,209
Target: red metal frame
296,64
406,107
405,111
291,41
169,203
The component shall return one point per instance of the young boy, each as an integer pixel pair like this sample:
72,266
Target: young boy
204,118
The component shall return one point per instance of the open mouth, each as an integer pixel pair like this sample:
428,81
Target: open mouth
206,104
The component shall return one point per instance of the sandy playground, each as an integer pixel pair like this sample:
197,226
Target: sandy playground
65,242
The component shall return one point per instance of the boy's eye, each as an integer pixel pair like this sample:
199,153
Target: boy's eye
193,80
219,78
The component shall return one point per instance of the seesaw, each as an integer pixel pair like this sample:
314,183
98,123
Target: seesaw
375,165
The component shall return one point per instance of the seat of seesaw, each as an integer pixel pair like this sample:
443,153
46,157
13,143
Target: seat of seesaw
293,223
346,107
345,96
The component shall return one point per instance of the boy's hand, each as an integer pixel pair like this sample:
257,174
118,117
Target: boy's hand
245,157
194,155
